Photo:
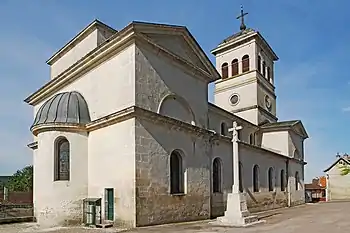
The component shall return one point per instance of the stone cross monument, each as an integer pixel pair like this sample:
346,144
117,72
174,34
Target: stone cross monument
236,213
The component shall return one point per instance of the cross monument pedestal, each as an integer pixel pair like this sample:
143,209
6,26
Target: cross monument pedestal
237,213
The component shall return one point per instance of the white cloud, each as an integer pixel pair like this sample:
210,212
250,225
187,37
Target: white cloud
346,109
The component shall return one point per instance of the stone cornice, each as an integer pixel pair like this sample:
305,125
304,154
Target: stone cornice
258,78
85,64
79,37
233,77
256,107
67,127
183,64
245,39
235,85
176,124
269,87
109,48
212,107
148,115
267,113
271,152
33,145
110,119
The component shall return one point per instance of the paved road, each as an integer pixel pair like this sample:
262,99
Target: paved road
325,217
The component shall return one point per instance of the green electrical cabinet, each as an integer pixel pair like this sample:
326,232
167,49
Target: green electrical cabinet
92,211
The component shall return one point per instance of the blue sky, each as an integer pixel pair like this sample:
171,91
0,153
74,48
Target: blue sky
310,37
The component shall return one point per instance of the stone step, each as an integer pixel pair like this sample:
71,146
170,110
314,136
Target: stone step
105,224
250,219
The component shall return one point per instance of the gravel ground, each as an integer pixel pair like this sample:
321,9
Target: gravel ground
312,218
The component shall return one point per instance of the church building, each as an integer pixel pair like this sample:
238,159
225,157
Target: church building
125,121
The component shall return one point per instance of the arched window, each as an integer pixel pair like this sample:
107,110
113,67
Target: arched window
62,157
240,177
297,180
223,129
251,139
217,174
234,65
264,69
176,173
270,179
245,63
256,178
259,64
283,185
224,70
268,74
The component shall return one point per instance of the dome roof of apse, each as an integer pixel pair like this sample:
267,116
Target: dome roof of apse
65,107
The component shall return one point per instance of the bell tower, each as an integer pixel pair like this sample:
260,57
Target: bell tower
246,64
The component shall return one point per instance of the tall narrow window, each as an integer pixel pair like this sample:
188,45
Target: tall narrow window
234,65
270,179
224,70
283,185
268,74
264,69
245,63
223,129
240,177
176,173
259,64
217,175
62,157
256,178
297,180
251,139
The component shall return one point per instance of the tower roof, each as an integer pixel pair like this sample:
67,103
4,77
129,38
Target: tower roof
242,37
237,35
65,107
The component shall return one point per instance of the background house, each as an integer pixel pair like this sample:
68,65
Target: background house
316,191
338,178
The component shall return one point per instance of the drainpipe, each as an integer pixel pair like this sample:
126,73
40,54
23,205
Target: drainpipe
327,187
288,185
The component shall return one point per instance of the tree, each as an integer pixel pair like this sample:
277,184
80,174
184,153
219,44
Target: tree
344,169
22,180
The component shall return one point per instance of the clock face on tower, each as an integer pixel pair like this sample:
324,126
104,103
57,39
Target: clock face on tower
268,103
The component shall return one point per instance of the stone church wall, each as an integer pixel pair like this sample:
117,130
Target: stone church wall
297,196
222,149
154,203
262,200
158,76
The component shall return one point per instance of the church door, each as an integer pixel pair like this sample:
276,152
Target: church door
109,204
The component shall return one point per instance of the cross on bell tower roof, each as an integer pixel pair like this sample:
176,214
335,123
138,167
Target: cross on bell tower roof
241,16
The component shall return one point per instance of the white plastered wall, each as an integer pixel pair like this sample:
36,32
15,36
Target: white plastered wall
112,165
107,88
60,202
277,141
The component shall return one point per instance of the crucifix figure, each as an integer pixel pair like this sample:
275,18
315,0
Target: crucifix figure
241,16
235,159
237,213
234,131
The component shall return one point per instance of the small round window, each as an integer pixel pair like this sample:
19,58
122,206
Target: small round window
234,99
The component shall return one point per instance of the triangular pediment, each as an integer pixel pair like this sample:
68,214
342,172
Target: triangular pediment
299,129
177,45
177,41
